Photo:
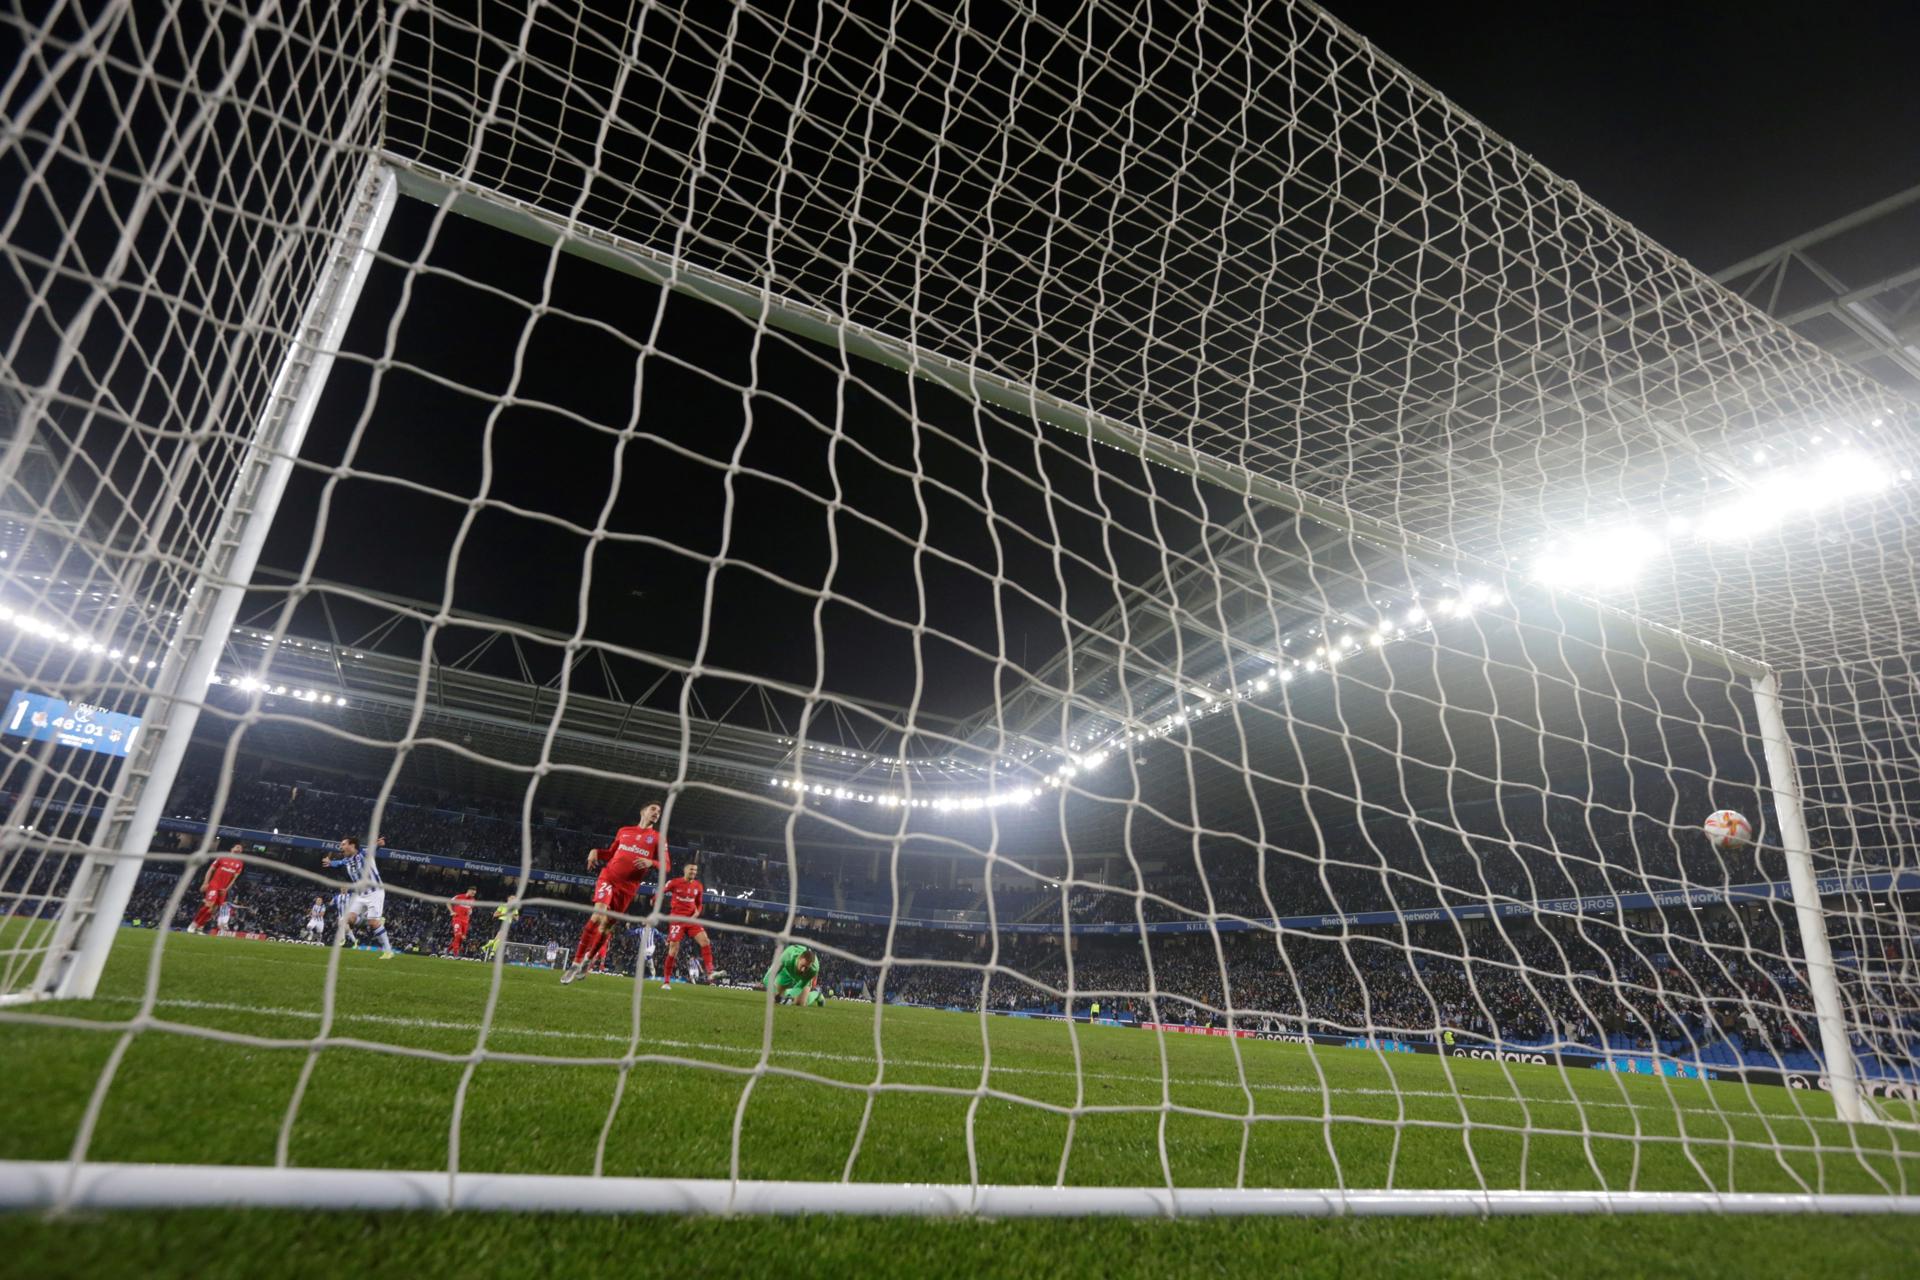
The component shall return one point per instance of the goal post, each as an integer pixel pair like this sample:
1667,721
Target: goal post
1783,779
97,899
1213,599
106,1187
533,955
613,252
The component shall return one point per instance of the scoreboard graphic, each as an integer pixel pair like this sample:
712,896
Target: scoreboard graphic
40,718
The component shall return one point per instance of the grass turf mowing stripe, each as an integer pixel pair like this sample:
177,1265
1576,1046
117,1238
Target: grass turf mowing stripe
213,1245
438,1024
1127,1109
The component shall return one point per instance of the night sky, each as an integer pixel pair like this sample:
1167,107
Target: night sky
1719,130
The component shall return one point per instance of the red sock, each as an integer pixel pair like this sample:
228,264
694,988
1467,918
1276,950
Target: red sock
458,938
589,939
706,957
666,974
201,917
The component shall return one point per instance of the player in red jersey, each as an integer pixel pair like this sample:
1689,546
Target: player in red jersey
461,909
635,851
687,897
213,888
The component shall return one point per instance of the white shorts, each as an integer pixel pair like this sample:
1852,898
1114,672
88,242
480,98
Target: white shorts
368,905
316,926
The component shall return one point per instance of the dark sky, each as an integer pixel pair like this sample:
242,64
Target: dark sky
1719,129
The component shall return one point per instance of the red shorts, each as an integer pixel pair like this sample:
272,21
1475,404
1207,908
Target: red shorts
615,895
214,897
677,927
459,928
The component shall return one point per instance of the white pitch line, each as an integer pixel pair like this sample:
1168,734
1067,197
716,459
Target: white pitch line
607,1037
1716,1113
604,1037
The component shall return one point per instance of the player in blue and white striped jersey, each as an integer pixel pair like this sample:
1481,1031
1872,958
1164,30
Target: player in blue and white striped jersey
648,935
366,897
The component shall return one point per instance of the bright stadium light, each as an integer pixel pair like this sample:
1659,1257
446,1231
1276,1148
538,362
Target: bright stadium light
1601,560
1798,491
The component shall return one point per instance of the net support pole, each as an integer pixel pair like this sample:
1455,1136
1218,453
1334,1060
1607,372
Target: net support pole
1783,778
105,881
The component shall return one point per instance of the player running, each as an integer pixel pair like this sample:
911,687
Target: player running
460,907
795,976
367,898
635,851
214,887
688,897
316,927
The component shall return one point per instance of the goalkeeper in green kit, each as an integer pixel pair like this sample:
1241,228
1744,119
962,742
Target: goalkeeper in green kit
795,976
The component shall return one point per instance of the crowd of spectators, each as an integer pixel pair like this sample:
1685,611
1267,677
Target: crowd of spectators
1720,986
411,818
1686,982
1375,865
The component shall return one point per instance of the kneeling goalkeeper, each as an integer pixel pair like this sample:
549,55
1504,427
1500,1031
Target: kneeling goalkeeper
795,976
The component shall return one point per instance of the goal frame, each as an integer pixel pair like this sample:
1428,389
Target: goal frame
91,916
103,884
517,217
100,1187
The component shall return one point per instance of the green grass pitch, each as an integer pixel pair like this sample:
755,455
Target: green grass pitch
570,1080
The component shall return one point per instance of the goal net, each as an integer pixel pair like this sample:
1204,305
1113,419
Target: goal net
1212,599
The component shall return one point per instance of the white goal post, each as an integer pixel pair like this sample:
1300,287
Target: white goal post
1782,781
1441,663
527,953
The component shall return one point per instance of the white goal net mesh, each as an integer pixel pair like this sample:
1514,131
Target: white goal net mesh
1212,596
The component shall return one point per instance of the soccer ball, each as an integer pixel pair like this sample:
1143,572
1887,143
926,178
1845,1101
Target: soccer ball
1727,831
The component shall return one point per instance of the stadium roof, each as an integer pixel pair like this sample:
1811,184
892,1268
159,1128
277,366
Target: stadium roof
1418,368
1617,417
1430,333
